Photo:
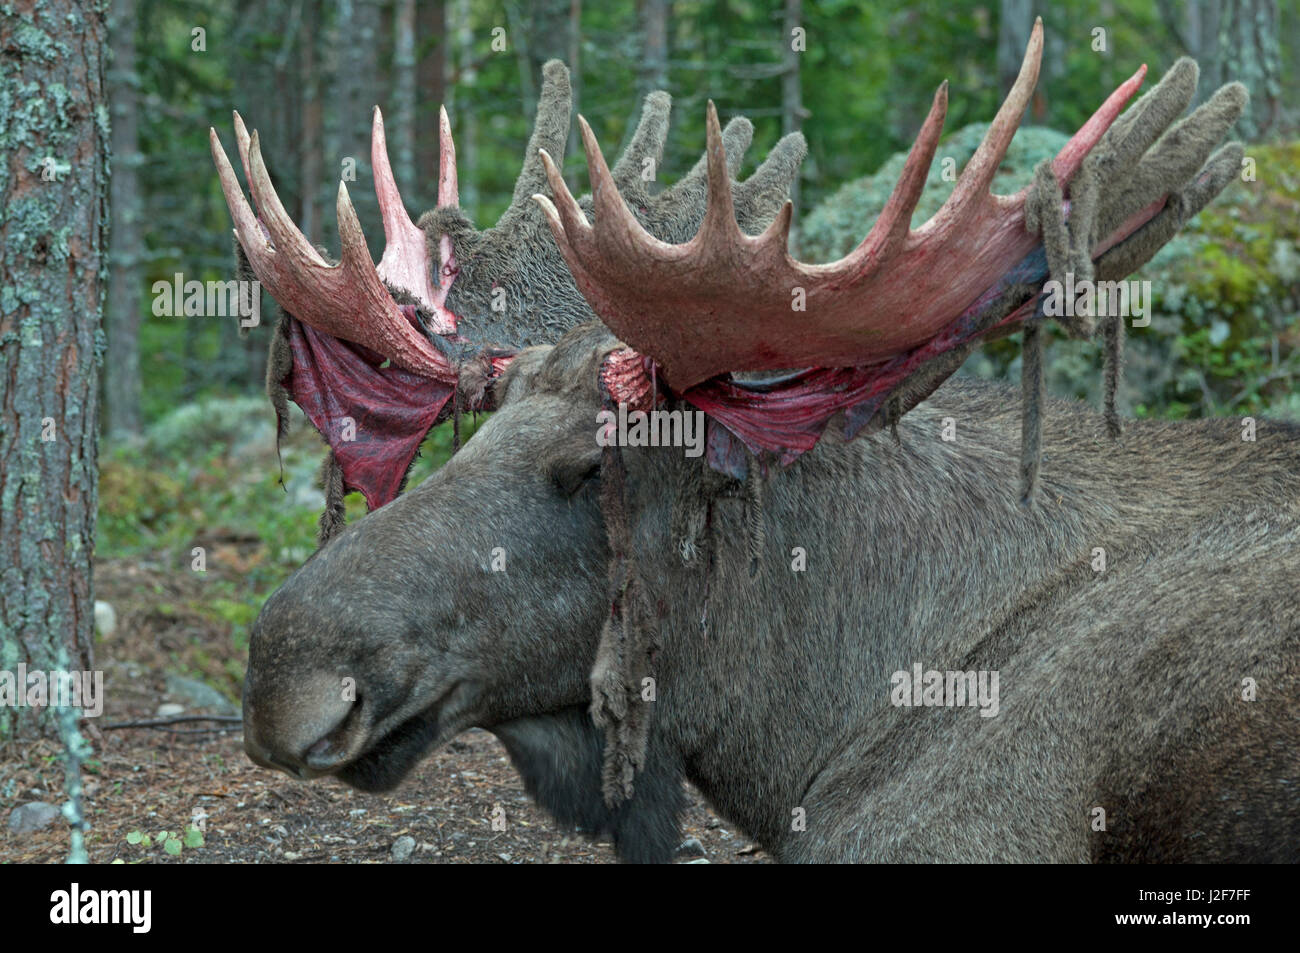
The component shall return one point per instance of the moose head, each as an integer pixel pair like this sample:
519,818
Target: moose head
624,617
376,355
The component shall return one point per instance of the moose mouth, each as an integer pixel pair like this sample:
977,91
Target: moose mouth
368,750
387,759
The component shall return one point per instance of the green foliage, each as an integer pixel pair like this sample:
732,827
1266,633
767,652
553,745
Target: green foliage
208,473
835,227
1224,335
171,842
1236,296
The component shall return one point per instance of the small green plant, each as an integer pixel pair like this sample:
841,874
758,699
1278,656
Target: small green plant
171,842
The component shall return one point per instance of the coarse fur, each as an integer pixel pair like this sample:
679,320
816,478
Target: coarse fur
1121,688
513,287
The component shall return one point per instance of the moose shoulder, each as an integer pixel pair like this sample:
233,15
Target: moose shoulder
1120,688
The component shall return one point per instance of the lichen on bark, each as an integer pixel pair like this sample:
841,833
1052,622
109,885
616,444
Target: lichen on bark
53,181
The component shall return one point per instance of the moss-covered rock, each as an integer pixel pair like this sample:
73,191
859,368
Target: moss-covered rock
836,226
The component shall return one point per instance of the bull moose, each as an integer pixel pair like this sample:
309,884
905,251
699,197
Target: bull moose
843,623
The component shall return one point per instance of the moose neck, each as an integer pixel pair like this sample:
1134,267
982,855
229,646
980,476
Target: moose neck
878,555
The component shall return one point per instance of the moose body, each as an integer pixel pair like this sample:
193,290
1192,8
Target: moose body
1121,689
628,618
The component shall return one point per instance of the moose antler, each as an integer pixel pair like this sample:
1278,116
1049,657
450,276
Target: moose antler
725,301
349,300
880,329
450,333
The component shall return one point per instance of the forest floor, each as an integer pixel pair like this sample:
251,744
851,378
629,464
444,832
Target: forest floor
140,782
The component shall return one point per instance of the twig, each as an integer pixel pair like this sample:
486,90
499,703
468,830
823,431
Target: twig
176,719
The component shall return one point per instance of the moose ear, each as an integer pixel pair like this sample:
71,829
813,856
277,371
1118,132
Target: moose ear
573,464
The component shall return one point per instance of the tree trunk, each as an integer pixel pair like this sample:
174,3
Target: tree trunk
431,24
122,316
1246,48
401,133
652,15
574,59
1015,22
53,218
312,145
465,121
652,71
357,92
1237,40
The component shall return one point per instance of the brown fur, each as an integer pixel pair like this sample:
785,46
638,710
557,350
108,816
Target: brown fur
1119,689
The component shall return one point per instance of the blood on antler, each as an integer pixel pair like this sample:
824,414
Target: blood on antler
725,301
398,347
877,331
349,300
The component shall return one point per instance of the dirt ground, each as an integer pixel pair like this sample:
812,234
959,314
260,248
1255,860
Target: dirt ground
152,780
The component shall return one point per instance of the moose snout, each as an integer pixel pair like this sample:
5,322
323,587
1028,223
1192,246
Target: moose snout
307,729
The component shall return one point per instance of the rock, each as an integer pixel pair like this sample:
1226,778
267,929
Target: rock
699,860
691,847
198,694
169,709
402,848
34,816
105,619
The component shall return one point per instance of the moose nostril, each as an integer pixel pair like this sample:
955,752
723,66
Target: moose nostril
330,749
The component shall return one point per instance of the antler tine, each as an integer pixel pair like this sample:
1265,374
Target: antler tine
241,140
1073,153
448,186
329,298
357,267
972,189
247,229
574,221
405,262
895,221
719,227
448,197
1133,134
283,231
355,284
736,138
397,224
251,233
614,220
550,130
647,141
772,247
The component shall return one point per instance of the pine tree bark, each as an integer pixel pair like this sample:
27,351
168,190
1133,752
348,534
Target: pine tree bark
53,220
